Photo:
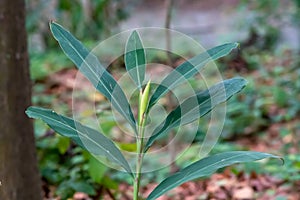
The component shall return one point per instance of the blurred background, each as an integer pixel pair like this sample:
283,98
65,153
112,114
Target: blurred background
264,117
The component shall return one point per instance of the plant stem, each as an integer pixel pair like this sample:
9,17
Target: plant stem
137,179
142,116
139,161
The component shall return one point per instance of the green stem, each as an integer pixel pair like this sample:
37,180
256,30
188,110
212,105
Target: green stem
142,117
139,161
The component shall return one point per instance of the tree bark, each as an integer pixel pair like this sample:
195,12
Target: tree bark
18,164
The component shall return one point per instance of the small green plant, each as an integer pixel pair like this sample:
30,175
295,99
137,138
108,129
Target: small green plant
100,145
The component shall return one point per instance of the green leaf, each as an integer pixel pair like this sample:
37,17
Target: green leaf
135,59
82,186
189,69
197,106
87,138
89,65
109,183
96,169
130,147
205,167
63,144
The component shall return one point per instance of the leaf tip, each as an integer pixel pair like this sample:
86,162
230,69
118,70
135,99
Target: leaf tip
134,31
282,161
28,112
242,80
52,23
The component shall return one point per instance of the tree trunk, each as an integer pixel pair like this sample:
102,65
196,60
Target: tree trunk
18,164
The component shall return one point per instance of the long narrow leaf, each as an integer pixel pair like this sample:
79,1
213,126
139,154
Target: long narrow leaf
189,69
87,138
135,59
205,167
197,106
90,66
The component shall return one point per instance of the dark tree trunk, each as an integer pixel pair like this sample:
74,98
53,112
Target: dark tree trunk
18,165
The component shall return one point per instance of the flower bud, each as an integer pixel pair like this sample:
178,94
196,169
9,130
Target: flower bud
143,101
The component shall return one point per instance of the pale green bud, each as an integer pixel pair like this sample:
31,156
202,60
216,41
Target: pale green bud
143,101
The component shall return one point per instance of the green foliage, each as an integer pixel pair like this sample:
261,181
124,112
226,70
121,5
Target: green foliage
262,32
87,138
275,90
99,145
89,66
135,59
205,167
63,168
188,69
92,18
41,65
60,169
191,113
96,169
290,171
238,115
